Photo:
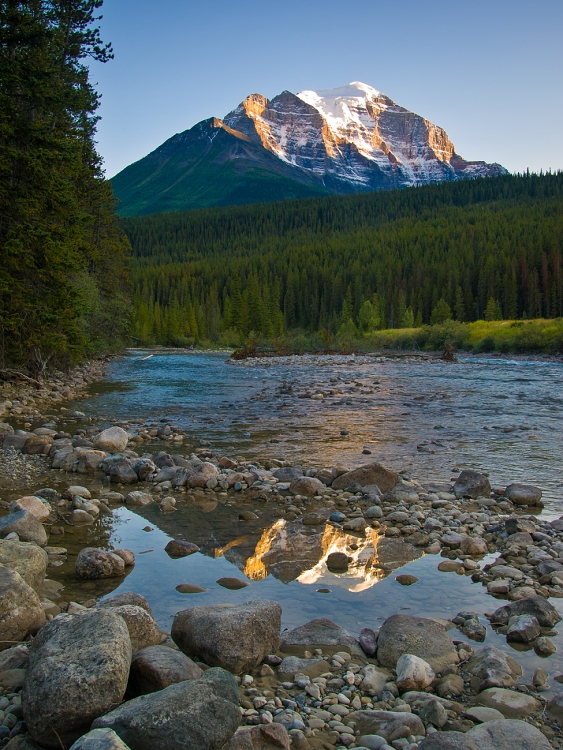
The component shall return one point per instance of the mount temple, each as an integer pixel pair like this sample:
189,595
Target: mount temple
343,140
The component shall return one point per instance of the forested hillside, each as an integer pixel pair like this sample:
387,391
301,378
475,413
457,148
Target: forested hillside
482,249
63,274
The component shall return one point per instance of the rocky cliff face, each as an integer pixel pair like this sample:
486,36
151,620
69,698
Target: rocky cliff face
354,135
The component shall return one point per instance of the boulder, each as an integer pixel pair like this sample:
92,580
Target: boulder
472,484
200,714
27,559
413,673
375,679
203,473
120,471
145,469
21,612
76,490
516,525
507,734
16,441
493,667
540,608
112,440
16,657
374,473
138,499
368,641
237,638
320,633
523,629
78,670
308,486
156,667
510,703
427,639
473,546
36,444
81,517
180,548
390,725
5,429
93,563
143,630
448,741
25,525
125,597
100,739
402,492
126,555
355,525
337,562
34,505
555,707
287,473
523,494
89,461
265,737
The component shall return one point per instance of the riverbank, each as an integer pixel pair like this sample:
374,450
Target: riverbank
344,689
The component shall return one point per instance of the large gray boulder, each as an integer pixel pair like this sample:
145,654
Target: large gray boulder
374,473
544,612
320,633
112,440
403,634
523,494
448,741
510,703
27,559
21,612
390,725
508,734
200,714
125,597
156,667
472,484
493,668
236,638
25,525
93,563
100,739
78,670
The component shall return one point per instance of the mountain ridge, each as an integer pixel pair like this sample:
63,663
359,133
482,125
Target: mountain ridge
334,141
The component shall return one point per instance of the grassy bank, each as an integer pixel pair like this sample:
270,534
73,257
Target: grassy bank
540,336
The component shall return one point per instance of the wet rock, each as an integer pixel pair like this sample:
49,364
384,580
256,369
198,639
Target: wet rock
16,657
515,525
544,646
93,563
34,505
233,584
449,685
482,714
511,704
145,469
237,638
100,739
506,734
434,713
403,634
78,669
523,629
29,560
287,473
89,461
25,525
138,499
472,484
200,714
337,562
523,494
180,548
388,724
368,641
308,486
126,555
491,665
406,580
81,517
452,539
76,490
540,608
291,665
355,525
203,473
36,444
506,571
499,587
112,440
450,566
374,473
156,667
189,588
413,673
555,707
21,612
120,470
125,597
448,741
374,512
265,737
320,633
143,630
473,546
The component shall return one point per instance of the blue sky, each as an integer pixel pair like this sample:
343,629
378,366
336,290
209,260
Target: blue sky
490,73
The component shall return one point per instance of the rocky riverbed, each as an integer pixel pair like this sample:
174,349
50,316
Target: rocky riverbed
82,668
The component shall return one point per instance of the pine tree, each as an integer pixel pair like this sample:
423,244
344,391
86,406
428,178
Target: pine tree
441,312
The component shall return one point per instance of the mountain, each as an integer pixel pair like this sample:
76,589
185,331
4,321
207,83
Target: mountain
343,140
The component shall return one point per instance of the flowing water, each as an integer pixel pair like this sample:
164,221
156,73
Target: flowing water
425,417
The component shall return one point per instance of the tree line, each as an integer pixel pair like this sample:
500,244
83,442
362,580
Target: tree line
488,249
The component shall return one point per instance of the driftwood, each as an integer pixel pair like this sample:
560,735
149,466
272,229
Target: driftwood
8,374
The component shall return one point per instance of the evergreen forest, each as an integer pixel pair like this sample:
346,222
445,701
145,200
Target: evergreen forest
485,249
63,271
